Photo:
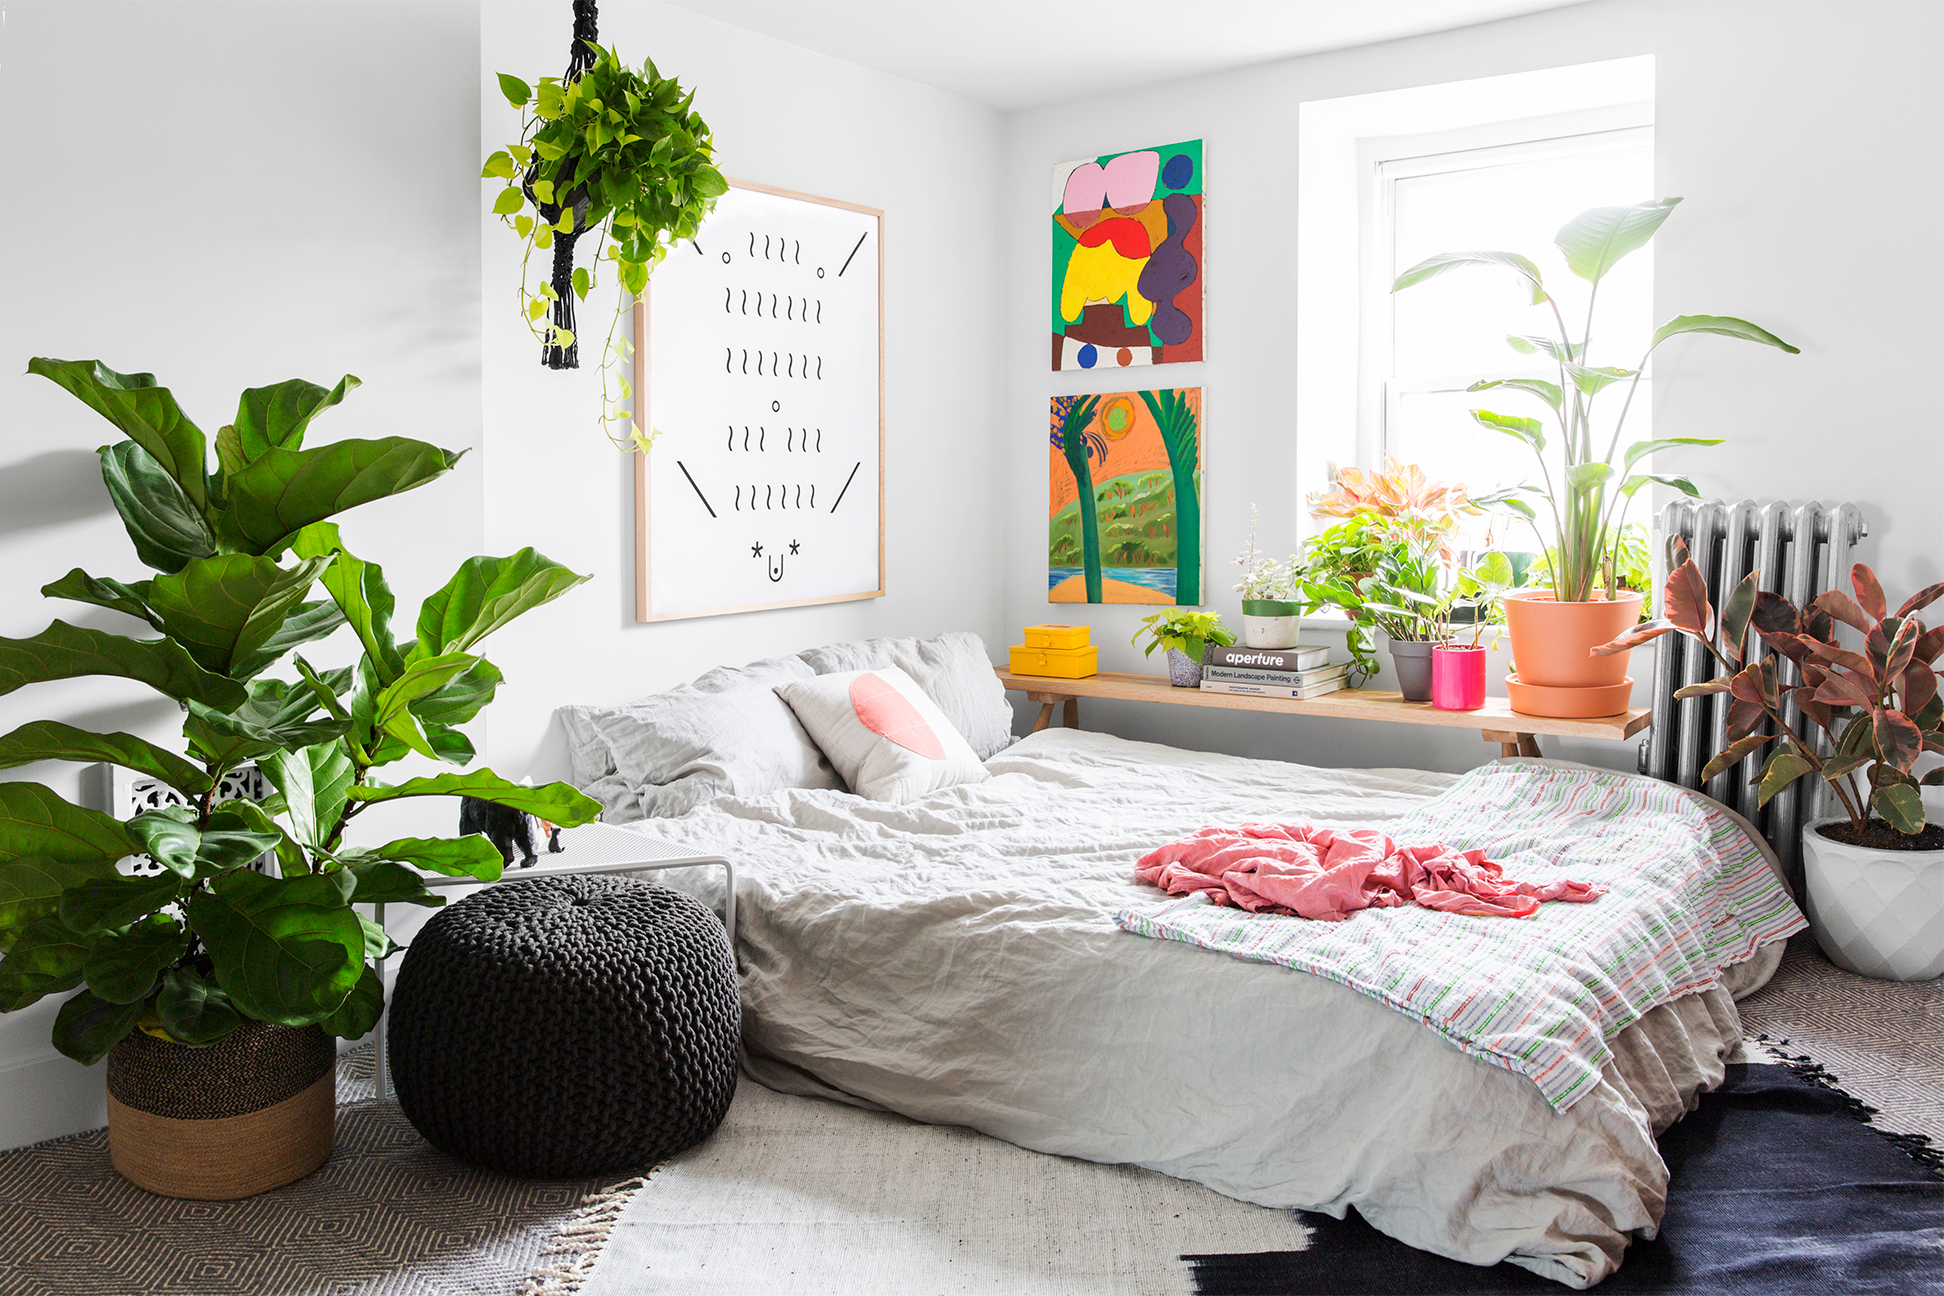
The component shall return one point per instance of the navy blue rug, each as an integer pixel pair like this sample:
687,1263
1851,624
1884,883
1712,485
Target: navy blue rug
1779,1188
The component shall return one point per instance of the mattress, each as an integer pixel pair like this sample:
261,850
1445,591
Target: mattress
956,960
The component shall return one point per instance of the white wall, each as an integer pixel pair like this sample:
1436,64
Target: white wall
228,195
1802,135
782,116
277,190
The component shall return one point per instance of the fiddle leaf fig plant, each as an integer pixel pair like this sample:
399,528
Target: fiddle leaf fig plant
1587,490
1880,707
608,151
250,912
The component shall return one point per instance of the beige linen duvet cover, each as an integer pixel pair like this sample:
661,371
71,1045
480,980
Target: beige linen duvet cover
956,960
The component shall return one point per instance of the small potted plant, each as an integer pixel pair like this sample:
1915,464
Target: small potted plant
611,152
1875,873
1385,564
1186,635
1587,490
1272,607
1458,670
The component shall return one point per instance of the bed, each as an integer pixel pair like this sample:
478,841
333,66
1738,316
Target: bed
956,959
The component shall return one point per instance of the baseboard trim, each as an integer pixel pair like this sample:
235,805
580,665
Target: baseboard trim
50,1096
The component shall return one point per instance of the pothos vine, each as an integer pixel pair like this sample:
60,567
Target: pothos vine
612,151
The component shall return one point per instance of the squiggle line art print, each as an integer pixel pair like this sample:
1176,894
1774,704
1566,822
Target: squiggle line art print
779,327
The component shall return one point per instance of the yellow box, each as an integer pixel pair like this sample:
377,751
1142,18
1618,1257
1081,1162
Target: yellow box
1055,663
1056,636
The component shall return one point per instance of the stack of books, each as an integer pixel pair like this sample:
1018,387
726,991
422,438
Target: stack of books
1299,672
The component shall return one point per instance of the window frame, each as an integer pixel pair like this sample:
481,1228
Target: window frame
1382,161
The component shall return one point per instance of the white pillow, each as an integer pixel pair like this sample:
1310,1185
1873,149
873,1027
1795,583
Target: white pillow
951,668
888,740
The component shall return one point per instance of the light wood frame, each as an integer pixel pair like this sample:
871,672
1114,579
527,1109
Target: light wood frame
643,605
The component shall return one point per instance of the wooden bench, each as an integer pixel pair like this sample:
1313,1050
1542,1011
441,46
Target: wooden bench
1516,735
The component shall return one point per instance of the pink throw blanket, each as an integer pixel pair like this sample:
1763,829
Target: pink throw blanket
1327,874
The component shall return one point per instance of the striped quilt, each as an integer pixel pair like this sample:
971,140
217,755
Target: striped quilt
1689,893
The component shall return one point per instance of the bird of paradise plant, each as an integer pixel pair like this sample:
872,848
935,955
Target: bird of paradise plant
1589,500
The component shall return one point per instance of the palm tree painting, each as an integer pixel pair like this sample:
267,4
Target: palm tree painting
1124,503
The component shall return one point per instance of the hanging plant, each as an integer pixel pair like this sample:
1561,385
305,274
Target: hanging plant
610,151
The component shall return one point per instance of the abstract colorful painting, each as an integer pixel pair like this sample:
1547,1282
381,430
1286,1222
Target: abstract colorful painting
1127,259
1124,498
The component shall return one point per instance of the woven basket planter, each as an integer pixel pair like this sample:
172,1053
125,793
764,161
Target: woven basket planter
254,1111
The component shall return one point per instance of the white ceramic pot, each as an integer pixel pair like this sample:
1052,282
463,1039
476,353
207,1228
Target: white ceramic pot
1877,912
1271,632
1271,623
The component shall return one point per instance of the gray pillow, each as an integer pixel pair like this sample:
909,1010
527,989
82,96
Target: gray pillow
952,668
727,733
589,752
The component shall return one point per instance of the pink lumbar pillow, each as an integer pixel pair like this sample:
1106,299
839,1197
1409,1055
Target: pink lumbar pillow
888,740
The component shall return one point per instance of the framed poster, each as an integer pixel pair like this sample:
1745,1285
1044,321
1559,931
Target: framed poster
759,358
1127,258
1124,493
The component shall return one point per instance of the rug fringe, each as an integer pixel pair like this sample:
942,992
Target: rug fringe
1918,1147
569,1255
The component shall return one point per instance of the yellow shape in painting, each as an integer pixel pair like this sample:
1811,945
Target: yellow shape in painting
1117,418
1102,274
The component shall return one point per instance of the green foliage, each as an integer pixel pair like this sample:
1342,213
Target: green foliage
1181,436
617,154
1633,565
1880,708
1589,497
1076,416
1134,524
1182,630
191,952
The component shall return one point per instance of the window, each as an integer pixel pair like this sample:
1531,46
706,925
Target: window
1421,348
1499,163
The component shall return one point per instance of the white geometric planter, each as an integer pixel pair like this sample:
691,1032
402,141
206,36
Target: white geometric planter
1879,913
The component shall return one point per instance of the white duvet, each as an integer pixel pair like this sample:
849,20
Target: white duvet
956,960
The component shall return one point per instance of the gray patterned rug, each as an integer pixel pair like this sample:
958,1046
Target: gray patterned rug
389,1215
1883,1041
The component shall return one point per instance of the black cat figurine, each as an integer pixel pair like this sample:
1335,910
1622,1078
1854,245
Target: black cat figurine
517,834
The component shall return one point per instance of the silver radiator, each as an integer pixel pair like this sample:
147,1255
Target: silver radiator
1800,551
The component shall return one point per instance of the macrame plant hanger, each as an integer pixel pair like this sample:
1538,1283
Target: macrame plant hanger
579,60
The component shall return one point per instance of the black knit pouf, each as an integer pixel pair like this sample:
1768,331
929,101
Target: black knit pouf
566,1027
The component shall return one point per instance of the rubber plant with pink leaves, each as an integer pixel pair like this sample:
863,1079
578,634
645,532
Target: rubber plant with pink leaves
1875,873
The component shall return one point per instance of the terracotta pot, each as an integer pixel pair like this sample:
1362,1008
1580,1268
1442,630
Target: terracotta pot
1875,912
1457,678
251,1112
1552,642
1413,663
1567,703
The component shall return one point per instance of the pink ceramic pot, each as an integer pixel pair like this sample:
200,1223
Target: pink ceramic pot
1457,678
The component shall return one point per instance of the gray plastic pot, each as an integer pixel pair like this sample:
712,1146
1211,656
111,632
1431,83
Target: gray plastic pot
1413,662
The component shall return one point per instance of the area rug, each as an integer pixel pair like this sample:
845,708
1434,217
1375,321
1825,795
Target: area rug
1783,1183
870,1203
387,1215
813,1198
1779,1187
